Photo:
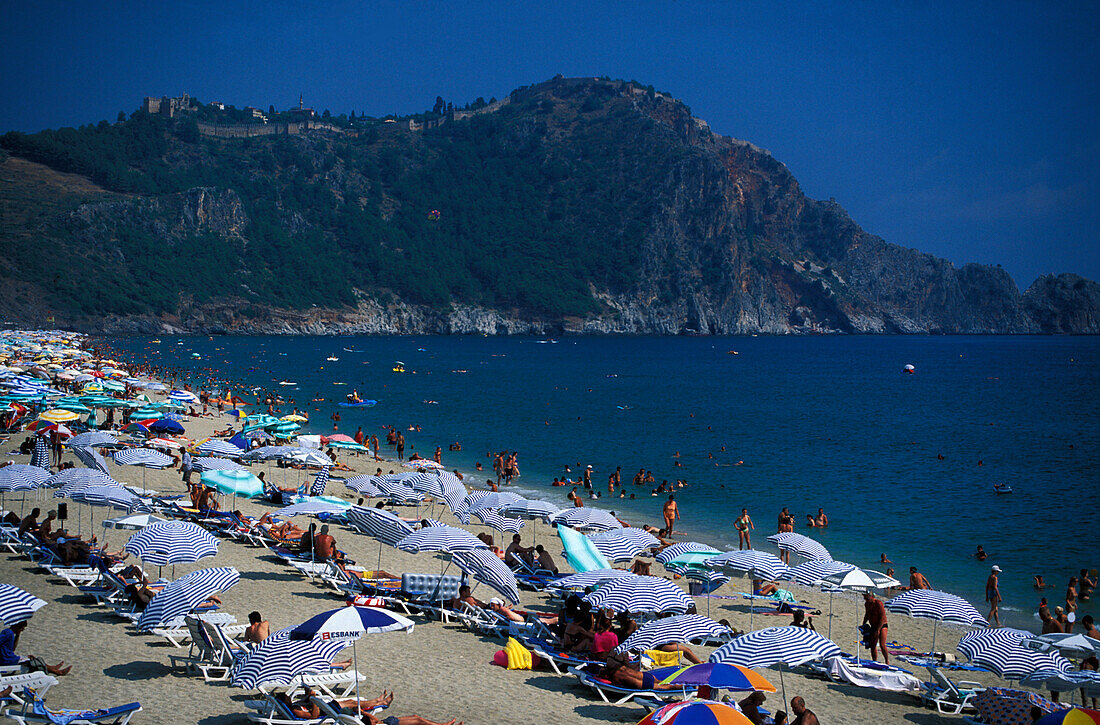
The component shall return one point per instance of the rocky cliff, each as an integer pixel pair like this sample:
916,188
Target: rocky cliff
581,205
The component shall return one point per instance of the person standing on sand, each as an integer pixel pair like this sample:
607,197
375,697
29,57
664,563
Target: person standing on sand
993,595
671,513
400,446
743,524
374,446
874,615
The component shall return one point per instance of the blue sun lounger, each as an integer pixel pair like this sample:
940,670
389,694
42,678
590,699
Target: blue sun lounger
35,711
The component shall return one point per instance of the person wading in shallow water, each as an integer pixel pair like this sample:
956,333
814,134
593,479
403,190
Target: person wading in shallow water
671,513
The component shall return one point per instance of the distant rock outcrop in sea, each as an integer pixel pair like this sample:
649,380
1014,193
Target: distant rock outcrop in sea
590,206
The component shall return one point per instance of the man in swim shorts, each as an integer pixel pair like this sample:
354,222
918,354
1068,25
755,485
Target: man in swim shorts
874,615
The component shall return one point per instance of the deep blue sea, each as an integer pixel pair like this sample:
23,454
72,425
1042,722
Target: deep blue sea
830,422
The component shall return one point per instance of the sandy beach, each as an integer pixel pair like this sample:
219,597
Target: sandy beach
439,670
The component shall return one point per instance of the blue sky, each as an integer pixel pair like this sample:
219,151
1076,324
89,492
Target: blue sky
967,130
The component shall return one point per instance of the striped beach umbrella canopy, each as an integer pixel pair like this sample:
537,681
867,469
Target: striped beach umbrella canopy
350,623
696,712
311,507
1074,645
714,578
21,477
810,573
588,579
470,499
791,646
90,457
493,500
671,553
183,396
364,485
486,567
383,525
756,564
454,491
17,605
172,542
640,595
1057,681
114,496
73,483
58,415
320,481
425,483
210,463
145,457
396,491
495,521
213,447
279,659
586,519
93,438
719,676
529,509
41,456
670,630
184,594
237,482
860,580
440,538
804,546
623,544
938,606
133,522
1002,651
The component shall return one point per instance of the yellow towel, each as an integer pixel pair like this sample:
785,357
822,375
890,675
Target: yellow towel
663,659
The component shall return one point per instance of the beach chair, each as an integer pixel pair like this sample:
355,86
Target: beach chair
210,654
177,634
34,711
337,683
614,694
273,711
19,683
949,698
331,711
557,659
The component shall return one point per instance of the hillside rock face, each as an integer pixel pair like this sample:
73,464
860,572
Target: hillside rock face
714,235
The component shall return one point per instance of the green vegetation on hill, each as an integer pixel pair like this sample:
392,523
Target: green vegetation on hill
539,203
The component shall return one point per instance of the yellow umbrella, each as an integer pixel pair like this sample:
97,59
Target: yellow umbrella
58,415
294,418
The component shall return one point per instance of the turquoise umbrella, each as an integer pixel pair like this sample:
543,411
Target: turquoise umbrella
238,483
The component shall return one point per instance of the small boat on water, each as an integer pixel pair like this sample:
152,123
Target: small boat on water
1002,488
332,358
399,367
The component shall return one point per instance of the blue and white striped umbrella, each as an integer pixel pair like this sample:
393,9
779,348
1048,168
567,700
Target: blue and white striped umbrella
454,491
791,646
810,573
700,575
757,564
937,605
623,544
183,396
639,595
311,507
530,509
41,456
860,580
209,463
495,521
214,447
1076,645
143,457
440,538
684,547
425,483
279,659
271,453
470,499
670,630
1002,651
588,578
91,458
396,491
351,623
172,542
184,594
319,482
431,522
17,605
93,438
74,479
802,545
586,519
1057,681
21,477
364,485
383,525
493,500
486,567
114,496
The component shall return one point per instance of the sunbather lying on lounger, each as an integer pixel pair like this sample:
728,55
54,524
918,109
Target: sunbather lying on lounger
495,604
619,671
306,708
9,640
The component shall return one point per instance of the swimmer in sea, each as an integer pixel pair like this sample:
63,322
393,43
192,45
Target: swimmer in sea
980,554
1040,584
883,560
822,520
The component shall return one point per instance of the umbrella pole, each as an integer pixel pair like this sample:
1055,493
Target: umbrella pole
379,557
830,615
355,658
935,626
782,684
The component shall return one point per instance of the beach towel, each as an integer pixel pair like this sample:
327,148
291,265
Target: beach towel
663,659
877,679
1002,706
